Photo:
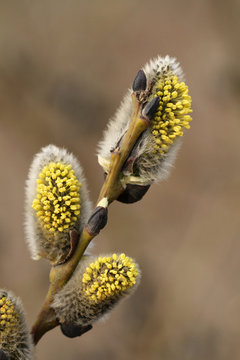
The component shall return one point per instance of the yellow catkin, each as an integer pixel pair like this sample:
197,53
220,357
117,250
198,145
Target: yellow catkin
57,204
171,116
108,277
9,319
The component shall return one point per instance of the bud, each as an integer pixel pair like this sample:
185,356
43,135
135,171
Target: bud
73,331
15,340
151,107
133,193
140,81
97,285
56,203
169,116
98,220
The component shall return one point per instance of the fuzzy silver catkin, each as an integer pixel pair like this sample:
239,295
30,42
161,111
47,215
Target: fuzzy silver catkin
15,339
149,169
56,249
96,286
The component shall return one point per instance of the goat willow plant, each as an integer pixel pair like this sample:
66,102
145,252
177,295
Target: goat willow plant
137,150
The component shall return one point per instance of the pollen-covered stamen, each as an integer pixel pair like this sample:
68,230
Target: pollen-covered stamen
57,204
15,340
172,114
109,277
9,320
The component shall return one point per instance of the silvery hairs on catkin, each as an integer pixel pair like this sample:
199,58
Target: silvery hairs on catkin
160,142
97,285
37,235
15,340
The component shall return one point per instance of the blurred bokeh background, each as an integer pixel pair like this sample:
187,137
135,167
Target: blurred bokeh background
64,67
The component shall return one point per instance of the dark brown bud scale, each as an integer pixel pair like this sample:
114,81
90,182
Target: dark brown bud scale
98,220
140,81
73,331
151,107
133,193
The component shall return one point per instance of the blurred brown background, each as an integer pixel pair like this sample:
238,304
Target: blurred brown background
64,67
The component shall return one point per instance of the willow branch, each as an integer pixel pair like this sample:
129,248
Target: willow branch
111,189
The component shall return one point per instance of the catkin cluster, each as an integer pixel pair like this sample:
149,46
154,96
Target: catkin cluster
158,146
15,340
57,204
96,286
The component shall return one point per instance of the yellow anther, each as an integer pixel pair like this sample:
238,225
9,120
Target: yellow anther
100,278
8,319
170,117
57,190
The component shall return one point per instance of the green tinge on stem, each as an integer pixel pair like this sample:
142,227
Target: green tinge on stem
59,275
112,187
